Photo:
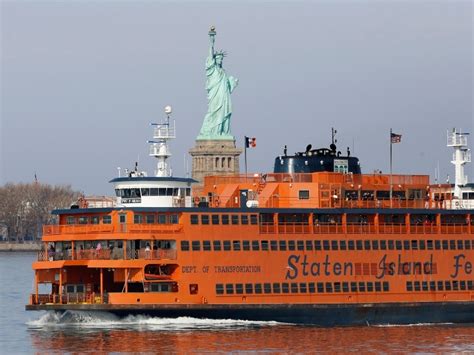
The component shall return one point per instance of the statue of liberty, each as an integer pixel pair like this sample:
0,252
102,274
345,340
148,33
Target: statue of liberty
219,86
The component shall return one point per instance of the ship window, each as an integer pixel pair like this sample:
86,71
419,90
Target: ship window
205,219
174,218
353,286
229,289
294,287
246,245
383,195
239,289
462,285
83,220
452,244
244,219
217,245
343,245
370,286
455,285
417,285
145,192
424,286
249,288
320,287
300,244
447,286
196,245
138,219
385,286
414,245
375,245
317,245
367,244
309,245
206,245
460,244
391,244
193,289
470,285
255,245
264,244
162,219
188,191
282,244
437,244
337,287
398,244
153,191
467,244
326,245
303,194
236,245
311,287
361,286
334,245
273,245
276,287
409,286
406,245
117,192
184,245
383,245
70,288
267,288
432,286
225,219
162,191
194,219
378,287
169,191
215,219
440,286
445,245
359,244
345,287
285,287
422,244
226,245
351,245
70,220
258,288
107,219
328,287
235,219
253,219
351,195
150,218
291,245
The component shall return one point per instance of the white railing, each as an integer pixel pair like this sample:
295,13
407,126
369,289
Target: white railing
164,132
456,140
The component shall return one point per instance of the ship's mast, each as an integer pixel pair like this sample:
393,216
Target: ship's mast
159,149
461,156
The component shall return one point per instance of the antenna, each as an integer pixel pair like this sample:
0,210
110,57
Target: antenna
162,133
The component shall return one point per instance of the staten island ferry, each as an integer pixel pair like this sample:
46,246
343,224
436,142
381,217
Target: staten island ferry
314,242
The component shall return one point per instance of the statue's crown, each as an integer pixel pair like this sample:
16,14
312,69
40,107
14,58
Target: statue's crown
221,53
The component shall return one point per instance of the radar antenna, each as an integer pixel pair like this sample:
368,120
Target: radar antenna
162,133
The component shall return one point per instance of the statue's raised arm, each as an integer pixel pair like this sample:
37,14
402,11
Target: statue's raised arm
219,86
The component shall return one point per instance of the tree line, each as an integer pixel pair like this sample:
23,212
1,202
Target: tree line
25,208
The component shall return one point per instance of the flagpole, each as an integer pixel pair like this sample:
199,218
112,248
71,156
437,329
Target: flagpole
245,154
391,186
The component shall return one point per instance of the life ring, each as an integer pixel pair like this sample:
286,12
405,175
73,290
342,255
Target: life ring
196,200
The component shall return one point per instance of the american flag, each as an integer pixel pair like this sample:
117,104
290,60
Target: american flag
250,142
395,138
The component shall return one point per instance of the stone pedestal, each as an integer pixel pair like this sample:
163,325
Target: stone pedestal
214,157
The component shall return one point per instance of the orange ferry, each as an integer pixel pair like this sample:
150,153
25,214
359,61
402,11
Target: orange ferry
315,242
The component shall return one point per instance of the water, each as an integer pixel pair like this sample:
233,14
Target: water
49,332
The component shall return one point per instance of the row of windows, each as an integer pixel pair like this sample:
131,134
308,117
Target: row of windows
89,220
224,219
454,285
301,287
309,245
151,219
165,191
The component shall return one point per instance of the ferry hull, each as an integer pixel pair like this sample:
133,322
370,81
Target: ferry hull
320,314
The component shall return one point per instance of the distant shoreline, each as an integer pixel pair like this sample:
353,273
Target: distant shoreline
17,247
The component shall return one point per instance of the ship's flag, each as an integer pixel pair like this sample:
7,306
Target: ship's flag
250,142
395,138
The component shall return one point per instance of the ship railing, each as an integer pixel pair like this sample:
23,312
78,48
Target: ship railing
294,228
267,228
69,298
360,228
394,203
103,254
77,229
424,228
454,228
327,228
392,228
158,254
154,228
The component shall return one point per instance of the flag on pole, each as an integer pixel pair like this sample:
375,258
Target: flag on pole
395,138
250,142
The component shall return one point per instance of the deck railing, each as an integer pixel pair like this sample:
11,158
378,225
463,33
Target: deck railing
107,254
109,228
68,298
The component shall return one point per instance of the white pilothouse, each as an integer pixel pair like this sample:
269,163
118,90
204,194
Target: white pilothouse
137,189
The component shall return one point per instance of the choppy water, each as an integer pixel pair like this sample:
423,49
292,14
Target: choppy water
41,332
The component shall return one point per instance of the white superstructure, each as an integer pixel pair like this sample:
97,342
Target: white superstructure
136,189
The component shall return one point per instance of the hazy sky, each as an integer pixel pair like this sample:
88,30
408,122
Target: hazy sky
82,80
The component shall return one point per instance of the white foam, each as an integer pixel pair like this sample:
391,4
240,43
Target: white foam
410,325
86,319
